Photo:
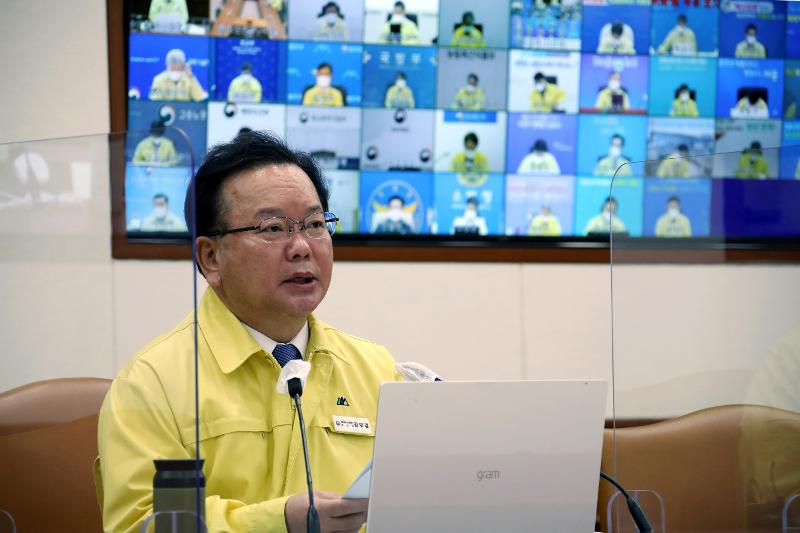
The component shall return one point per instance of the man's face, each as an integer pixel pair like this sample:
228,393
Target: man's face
751,33
472,80
399,11
288,279
396,205
175,66
673,206
610,207
469,144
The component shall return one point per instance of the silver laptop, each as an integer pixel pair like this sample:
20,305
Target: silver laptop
506,456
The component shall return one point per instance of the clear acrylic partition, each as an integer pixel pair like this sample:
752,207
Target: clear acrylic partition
705,354
72,317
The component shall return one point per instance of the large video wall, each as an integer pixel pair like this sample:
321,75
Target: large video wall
483,117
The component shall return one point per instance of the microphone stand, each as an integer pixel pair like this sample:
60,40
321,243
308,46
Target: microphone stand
295,387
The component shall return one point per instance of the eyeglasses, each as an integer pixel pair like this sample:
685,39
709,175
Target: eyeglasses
279,229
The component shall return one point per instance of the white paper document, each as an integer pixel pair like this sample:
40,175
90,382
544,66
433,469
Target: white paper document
360,487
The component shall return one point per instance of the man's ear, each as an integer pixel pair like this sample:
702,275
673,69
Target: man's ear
208,259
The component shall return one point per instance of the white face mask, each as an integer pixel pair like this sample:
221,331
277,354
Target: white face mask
174,75
470,88
160,211
395,213
400,83
331,18
613,85
470,214
537,158
607,215
673,213
614,150
246,76
397,19
156,140
324,81
684,96
681,30
541,86
469,153
751,39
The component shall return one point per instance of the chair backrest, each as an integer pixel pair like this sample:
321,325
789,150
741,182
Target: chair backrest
697,464
48,442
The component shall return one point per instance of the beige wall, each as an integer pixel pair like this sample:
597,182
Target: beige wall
686,336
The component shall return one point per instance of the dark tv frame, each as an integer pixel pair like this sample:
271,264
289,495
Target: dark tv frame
422,248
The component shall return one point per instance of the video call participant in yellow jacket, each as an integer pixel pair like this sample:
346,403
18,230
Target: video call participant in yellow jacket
752,164
673,223
322,93
260,295
613,97
545,224
470,96
614,164
607,221
616,41
245,87
676,164
399,29
545,96
470,159
176,8
155,149
750,48
177,82
467,35
684,105
681,40
399,95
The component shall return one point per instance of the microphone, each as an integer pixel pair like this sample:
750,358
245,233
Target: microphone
291,382
416,372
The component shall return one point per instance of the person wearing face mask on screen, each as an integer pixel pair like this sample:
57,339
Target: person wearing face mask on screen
161,218
245,87
750,48
470,96
399,29
470,159
539,161
467,35
614,164
177,82
322,93
155,149
395,220
676,164
399,95
613,97
752,163
673,223
545,96
684,105
330,25
470,223
616,40
606,221
680,41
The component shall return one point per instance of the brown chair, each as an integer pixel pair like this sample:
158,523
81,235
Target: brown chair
48,442
704,465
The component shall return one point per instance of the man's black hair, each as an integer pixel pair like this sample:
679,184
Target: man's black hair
749,27
617,28
248,151
618,136
471,136
323,65
247,67
400,4
401,74
473,200
158,195
683,147
673,199
467,14
538,77
157,128
473,75
539,146
610,200
682,17
396,197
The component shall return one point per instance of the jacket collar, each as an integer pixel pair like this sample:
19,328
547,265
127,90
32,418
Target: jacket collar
231,344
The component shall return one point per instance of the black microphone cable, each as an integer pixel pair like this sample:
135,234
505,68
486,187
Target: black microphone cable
639,518
295,387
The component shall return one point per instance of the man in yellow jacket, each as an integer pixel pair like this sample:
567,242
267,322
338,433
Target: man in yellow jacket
752,163
613,97
684,105
681,40
467,35
245,87
155,149
177,82
322,93
545,96
673,223
470,159
676,164
470,96
267,258
750,48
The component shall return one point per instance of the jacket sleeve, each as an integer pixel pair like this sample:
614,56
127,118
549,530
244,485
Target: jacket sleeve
136,426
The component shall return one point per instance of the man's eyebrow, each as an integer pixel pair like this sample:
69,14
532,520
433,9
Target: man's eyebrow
267,212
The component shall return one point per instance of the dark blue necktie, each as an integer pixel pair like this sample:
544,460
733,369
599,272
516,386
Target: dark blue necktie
285,352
